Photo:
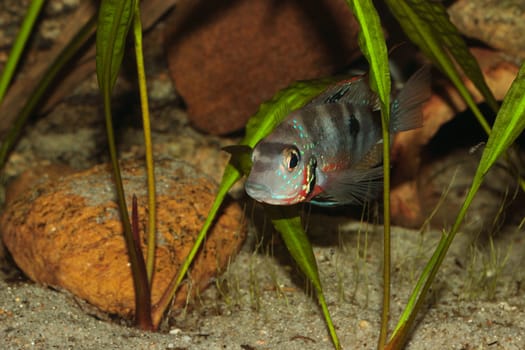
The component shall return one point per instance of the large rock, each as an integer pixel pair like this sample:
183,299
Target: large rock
498,23
67,233
227,57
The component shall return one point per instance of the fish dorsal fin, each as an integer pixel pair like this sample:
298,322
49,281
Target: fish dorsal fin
354,90
406,110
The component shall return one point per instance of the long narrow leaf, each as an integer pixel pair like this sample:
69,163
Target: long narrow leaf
420,22
148,145
114,22
373,46
230,177
47,79
18,45
435,15
269,115
509,124
287,222
272,113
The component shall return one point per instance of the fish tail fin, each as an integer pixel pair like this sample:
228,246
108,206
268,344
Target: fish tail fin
406,111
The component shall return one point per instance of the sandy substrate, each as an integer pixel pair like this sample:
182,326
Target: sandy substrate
262,302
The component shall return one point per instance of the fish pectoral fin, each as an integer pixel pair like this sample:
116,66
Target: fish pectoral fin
406,109
372,158
355,186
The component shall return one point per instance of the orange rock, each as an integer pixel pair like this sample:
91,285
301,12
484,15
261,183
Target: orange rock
500,24
227,57
67,233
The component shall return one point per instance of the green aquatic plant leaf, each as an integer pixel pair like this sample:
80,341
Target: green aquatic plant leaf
36,95
272,112
373,46
19,44
427,25
434,14
114,21
269,115
148,143
230,176
509,124
241,157
287,222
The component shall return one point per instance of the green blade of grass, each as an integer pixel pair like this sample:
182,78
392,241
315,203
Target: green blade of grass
230,176
272,113
420,20
373,46
284,219
18,46
114,22
47,78
509,124
148,146
287,222
269,115
427,25
135,230
435,15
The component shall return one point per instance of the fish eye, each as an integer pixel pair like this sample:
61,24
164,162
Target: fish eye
291,158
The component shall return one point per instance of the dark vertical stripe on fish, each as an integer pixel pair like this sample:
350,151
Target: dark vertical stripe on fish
353,125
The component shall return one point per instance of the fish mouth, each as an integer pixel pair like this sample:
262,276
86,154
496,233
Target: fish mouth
264,194
258,191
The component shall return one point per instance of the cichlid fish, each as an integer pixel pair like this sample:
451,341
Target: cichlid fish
329,152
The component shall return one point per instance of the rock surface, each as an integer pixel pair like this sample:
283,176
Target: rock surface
67,233
228,57
498,23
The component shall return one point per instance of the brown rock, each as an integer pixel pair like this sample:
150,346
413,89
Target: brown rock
451,175
67,233
227,57
498,23
39,175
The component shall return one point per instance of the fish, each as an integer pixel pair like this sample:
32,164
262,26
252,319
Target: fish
330,151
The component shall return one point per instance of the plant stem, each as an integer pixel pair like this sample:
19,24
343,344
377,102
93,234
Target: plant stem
49,76
385,314
18,45
108,35
144,317
230,176
146,125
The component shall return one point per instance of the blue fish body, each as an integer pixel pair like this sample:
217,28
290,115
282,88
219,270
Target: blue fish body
329,152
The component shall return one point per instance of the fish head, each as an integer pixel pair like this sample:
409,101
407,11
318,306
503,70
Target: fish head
281,173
